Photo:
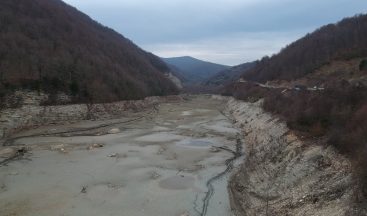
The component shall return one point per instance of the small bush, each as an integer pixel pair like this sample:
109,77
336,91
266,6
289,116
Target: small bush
363,65
74,88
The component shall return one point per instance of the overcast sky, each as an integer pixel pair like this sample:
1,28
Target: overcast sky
222,31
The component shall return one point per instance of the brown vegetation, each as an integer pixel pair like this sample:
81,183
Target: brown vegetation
344,40
229,75
363,65
46,45
246,91
339,113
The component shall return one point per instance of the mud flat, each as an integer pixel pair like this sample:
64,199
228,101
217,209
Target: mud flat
175,159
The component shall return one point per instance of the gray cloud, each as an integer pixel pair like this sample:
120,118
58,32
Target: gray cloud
223,31
230,49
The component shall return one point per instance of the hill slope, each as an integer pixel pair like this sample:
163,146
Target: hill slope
194,70
47,45
318,86
229,75
344,40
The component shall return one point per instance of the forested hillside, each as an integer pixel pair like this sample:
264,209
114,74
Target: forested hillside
344,40
229,75
194,71
47,45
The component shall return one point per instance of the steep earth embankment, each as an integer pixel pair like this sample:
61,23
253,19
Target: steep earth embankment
283,175
31,114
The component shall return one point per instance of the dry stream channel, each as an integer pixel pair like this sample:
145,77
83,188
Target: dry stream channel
174,160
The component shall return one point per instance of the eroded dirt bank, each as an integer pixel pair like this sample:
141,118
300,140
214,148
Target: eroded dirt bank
283,175
31,114
171,159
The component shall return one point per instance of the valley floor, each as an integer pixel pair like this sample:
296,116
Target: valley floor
171,159
179,156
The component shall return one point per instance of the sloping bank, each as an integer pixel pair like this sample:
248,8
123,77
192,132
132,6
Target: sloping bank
283,175
31,114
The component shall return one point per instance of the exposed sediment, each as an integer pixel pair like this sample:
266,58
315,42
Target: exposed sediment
283,175
182,150
229,167
31,114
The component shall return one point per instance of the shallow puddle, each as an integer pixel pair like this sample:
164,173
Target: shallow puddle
195,143
177,182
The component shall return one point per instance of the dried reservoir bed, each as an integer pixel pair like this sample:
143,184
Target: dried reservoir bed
173,160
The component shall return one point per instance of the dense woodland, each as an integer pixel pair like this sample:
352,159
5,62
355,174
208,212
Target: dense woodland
47,45
344,40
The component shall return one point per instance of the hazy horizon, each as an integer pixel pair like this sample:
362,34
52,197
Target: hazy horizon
227,32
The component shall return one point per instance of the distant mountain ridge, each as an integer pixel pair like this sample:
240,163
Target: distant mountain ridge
47,45
192,70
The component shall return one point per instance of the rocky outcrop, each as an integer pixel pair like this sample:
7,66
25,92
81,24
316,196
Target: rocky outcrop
283,175
31,114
